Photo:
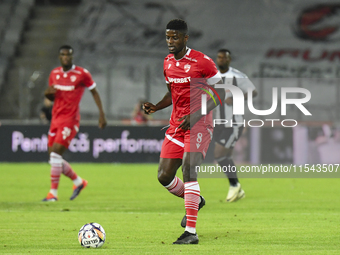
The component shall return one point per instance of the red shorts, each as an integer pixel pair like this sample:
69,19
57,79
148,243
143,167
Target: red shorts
62,133
178,141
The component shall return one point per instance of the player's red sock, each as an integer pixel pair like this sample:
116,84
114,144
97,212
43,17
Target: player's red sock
56,162
68,171
191,199
176,187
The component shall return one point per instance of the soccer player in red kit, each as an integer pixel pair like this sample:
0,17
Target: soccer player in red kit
188,137
66,87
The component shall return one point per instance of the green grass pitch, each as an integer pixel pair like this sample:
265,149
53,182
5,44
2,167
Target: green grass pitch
278,216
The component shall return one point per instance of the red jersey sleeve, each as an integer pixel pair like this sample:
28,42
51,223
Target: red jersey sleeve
164,70
50,80
166,79
87,80
209,70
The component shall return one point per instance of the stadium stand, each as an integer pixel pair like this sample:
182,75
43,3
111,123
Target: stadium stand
31,43
6,8
13,17
122,43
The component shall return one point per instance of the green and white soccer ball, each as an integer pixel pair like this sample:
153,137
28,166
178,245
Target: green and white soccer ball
91,235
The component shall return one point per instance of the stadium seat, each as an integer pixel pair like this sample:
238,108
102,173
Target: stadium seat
13,17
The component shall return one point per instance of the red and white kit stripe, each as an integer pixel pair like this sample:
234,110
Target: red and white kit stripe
176,187
56,162
191,199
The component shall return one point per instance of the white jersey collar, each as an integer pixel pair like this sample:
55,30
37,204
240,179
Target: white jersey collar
187,53
229,71
72,68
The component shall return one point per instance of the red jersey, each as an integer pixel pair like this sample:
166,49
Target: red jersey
70,86
184,76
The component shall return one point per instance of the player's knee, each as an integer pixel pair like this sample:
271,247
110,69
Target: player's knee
55,158
58,148
218,154
223,153
163,177
229,153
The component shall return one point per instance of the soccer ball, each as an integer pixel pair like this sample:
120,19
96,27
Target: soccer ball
91,235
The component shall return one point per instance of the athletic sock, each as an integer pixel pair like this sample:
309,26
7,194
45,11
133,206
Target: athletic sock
54,192
229,164
56,168
78,181
68,171
191,200
176,187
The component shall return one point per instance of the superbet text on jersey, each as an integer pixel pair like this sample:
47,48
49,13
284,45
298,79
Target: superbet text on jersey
181,75
70,86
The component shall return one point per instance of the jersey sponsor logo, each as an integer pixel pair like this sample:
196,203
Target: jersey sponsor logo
177,63
73,78
64,87
58,77
179,80
65,75
187,68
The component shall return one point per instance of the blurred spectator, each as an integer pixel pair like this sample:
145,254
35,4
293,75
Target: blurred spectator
138,115
46,111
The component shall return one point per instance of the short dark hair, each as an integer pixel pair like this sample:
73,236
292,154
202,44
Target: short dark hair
66,47
224,51
179,25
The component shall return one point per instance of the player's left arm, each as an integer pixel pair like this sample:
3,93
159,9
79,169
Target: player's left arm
91,85
97,99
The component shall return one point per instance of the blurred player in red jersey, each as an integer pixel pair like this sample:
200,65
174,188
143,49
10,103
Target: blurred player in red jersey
138,115
188,137
66,87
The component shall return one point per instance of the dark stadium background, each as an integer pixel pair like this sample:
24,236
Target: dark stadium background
276,43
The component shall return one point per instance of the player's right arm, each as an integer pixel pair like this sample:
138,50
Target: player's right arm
165,102
50,92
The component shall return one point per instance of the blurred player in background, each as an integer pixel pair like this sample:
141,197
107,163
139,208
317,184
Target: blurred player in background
226,136
181,66
66,87
138,116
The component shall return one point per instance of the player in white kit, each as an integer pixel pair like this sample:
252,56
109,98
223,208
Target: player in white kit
225,135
